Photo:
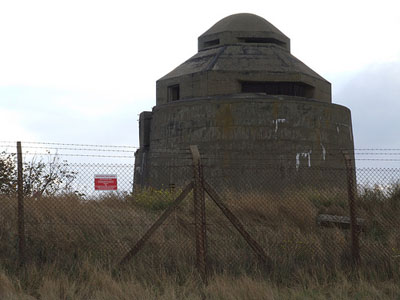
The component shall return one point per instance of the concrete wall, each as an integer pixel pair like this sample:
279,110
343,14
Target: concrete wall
220,71
216,83
250,136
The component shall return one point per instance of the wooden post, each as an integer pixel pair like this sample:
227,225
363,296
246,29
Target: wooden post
199,214
351,190
20,193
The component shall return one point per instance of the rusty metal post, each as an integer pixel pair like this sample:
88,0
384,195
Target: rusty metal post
139,245
258,250
352,194
199,214
20,194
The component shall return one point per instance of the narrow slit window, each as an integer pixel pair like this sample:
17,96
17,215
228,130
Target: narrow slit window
211,43
298,89
259,40
173,92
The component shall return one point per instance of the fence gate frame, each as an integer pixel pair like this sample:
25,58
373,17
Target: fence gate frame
199,187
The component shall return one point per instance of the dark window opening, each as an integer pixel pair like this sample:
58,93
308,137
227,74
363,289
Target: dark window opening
173,92
298,89
261,40
211,43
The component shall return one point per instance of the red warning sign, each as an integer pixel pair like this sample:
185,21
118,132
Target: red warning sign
105,182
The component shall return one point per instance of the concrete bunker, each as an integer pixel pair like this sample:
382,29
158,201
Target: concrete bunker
254,110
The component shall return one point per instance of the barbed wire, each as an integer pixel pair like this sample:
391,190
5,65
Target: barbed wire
261,159
70,144
77,149
96,165
185,155
72,154
174,157
13,143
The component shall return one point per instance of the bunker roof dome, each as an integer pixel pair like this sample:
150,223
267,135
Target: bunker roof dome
242,28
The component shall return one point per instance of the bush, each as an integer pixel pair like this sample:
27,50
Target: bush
154,199
8,180
39,177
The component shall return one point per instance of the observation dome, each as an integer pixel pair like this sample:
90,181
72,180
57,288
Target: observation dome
242,54
242,28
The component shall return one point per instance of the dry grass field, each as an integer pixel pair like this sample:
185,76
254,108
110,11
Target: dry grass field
93,282
73,245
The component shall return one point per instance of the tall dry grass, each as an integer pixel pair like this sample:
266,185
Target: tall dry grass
73,245
91,281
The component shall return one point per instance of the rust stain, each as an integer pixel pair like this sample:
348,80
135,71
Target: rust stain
275,110
226,159
326,114
318,130
224,120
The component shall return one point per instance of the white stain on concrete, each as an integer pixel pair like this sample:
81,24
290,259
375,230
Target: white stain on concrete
323,151
348,127
276,122
306,155
351,134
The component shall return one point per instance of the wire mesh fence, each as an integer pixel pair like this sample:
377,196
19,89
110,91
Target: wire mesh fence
298,225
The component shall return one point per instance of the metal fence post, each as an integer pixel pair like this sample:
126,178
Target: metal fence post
238,225
20,193
161,219
199,214
352,194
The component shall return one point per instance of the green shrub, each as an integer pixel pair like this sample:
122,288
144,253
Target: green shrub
154,199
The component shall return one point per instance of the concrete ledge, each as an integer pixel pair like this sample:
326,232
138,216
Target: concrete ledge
343,222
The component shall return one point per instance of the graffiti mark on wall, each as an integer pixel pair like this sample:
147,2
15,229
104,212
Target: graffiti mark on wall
306,155
323,152
276,122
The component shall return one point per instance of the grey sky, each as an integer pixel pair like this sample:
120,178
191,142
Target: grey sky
81,71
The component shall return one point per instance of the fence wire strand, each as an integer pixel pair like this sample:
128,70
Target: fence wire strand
296,215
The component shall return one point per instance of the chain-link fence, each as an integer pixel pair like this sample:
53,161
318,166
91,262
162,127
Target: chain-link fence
301,227
305,225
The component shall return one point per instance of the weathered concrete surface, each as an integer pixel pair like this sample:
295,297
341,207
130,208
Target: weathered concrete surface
235,28
220,71
247,131
249,49
272,139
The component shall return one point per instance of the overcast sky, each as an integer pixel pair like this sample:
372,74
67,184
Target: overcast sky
82,71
